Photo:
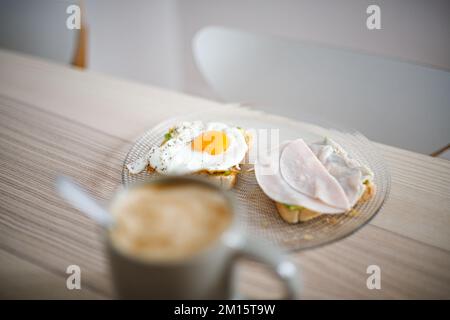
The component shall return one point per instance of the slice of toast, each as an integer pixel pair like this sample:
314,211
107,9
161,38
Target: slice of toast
224,180
294,215
297,215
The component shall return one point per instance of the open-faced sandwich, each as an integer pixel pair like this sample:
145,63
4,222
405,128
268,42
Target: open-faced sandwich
306,181
211,149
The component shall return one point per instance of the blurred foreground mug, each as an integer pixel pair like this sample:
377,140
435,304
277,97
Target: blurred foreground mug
147,267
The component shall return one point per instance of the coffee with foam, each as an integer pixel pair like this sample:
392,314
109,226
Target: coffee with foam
166,222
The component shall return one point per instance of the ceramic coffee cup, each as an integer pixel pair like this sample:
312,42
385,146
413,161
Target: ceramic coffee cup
207,274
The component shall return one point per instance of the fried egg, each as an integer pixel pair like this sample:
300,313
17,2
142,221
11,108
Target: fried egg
195,146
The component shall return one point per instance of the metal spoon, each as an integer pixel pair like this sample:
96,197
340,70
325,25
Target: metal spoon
78,198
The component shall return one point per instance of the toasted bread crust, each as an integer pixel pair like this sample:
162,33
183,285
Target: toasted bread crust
368,193
296,216
225,181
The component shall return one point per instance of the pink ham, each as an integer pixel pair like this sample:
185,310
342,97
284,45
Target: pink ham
303,171
276,188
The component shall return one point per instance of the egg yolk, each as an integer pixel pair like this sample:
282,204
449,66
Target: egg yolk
212,142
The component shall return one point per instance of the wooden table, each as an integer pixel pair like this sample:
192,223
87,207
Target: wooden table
59,120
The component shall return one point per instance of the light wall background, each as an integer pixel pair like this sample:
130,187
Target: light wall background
150,41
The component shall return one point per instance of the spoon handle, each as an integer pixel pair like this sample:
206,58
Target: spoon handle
78,198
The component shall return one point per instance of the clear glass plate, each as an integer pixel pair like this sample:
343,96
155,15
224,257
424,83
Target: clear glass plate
256,211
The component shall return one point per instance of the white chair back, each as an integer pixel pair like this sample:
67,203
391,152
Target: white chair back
390,101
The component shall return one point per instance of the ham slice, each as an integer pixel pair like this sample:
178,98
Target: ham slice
303,171
275,187
348,172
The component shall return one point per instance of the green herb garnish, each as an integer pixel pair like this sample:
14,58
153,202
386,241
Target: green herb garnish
168,135
293,207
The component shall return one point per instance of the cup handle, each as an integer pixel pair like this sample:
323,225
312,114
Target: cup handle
267,253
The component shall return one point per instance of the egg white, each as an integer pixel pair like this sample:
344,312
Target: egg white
177,157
